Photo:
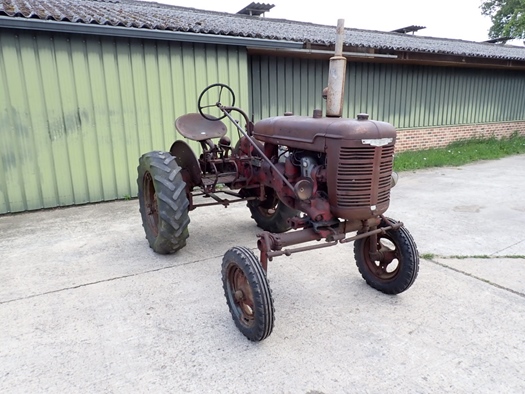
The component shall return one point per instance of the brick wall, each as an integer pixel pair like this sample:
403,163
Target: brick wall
435,137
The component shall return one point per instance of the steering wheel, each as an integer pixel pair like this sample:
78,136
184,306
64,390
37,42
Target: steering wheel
211,98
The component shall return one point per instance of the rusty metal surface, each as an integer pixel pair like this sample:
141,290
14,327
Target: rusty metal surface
186,159
359,179
304,132
150,198
197,128
272,245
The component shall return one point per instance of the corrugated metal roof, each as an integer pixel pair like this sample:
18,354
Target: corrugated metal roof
146,15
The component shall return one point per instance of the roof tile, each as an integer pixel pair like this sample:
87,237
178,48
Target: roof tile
147,15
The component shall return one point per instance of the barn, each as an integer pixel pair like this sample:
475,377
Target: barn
87,86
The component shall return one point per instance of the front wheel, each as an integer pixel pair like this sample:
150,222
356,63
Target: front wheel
163,203
247,293
398,264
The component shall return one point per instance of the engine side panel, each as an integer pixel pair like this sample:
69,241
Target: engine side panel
359,158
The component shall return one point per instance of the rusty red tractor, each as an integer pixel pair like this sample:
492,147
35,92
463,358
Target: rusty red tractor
325,178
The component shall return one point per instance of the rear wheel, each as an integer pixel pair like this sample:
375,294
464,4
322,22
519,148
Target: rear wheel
271,214
247,293
162,201
398,264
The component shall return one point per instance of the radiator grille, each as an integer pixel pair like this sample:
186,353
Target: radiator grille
358,185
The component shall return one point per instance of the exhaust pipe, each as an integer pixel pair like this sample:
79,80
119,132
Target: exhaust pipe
337,75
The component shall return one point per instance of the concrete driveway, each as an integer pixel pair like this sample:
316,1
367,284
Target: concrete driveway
86,306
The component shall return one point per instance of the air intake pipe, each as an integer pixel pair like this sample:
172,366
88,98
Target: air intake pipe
336,75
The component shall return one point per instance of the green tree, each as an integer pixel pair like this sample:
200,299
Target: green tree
507,16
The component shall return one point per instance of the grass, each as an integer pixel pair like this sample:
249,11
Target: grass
484,256
461,152
431,256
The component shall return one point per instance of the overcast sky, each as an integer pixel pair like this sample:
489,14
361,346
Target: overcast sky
459,19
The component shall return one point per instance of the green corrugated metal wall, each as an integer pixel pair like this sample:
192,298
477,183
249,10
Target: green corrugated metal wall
77,112
406,96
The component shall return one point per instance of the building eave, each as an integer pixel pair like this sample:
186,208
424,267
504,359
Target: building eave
118,31
359,54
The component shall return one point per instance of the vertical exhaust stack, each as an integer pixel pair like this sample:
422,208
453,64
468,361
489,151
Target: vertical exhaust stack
337,75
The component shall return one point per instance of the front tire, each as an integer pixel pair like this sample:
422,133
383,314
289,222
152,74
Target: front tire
163,203
398,266
247,293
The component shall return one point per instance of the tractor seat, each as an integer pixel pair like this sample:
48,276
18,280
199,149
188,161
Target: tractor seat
197,128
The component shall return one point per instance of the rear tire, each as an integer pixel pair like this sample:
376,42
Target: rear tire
272,214
163,202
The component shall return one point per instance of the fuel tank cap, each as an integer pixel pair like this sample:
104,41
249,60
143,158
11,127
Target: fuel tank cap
362,116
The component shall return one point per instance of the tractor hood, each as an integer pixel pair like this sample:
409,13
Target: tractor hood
311,133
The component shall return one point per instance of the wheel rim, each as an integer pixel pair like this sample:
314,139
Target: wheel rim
150,200
242,296
268,212
390,260
268,207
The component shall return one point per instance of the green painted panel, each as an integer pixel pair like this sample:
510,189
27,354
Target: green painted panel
405,95
21,170
5,120
129,132
88,152
77,112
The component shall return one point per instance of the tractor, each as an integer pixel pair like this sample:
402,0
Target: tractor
304,178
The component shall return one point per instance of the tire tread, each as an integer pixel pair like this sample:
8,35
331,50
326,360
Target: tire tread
263,301
410,264
172,202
